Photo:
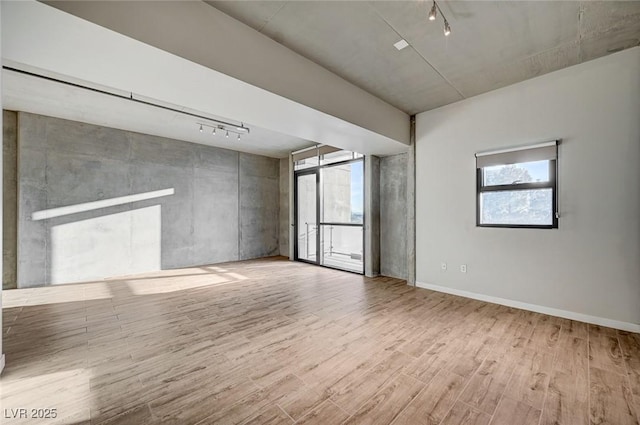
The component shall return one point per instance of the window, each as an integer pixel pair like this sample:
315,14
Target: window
342,185
322,155
517,187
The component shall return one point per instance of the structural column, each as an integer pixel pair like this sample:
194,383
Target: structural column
292,218
1,207
371,216
411,206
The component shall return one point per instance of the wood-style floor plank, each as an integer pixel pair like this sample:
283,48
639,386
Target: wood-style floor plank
277,342
604,349
572,356
567,401
510,411
530,378
327,413
434,402
486,387
273,416
545,334
630,344
364,387
611,399
387,404
463,414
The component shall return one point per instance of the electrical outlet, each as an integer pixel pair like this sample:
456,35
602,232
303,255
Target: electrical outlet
463,268
443,267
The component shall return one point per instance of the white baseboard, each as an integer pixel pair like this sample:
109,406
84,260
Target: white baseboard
1,363
610,323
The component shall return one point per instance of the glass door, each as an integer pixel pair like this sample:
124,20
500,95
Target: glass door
342,216
329,211
307,239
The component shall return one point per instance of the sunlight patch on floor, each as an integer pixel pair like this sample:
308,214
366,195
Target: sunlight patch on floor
55,294
68,392
166,285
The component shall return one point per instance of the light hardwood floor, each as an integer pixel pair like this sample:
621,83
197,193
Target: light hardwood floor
275,342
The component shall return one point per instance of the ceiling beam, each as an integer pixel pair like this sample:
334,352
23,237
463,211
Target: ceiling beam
202,34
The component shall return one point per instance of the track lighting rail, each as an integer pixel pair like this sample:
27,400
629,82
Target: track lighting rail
227,126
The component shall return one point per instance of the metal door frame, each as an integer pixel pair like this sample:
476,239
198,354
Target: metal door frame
316,170
297,174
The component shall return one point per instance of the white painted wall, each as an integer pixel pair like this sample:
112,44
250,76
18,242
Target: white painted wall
591,264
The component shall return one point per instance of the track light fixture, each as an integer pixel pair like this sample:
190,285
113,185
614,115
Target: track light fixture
432,17
434,12
225,128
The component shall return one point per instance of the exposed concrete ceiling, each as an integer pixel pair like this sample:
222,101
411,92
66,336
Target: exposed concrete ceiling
25,93
493,43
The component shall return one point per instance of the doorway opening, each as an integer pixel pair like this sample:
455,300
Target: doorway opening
329,208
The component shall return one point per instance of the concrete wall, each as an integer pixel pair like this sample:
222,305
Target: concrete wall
9,199
259,206
393,216
217,205
284,223
589,265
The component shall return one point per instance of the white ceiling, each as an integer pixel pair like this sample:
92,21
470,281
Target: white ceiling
493,43
21,92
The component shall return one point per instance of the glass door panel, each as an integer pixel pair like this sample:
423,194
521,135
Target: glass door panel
306,220
342,241
342,247
342,193
329,213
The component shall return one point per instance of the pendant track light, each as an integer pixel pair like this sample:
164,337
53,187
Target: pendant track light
432,17
224,128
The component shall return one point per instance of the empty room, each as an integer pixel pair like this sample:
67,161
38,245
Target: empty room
320,212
